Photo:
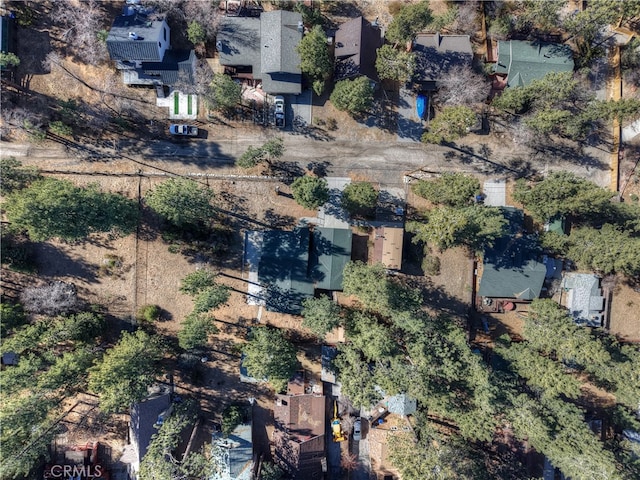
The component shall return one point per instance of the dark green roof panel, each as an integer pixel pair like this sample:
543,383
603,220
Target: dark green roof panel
331,250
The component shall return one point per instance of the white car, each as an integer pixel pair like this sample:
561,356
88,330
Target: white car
357,430
183,130
279,111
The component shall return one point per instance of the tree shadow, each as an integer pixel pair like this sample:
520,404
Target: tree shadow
278,220
467,155
52,261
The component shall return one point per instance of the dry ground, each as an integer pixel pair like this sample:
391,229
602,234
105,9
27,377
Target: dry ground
624,318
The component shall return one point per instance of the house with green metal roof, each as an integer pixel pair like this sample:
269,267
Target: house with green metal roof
330,252
293,264
521,61
511,271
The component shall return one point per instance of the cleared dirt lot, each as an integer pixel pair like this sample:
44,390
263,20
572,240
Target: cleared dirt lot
624,317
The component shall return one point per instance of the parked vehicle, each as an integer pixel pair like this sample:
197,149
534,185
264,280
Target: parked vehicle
336,425
357,430
183,130
279,112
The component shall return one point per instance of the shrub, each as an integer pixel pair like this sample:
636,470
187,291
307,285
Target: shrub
232,416
353,96
310,192
359,198
61,129
431,264
148,313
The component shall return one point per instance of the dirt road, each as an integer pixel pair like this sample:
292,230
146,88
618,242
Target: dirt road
384,162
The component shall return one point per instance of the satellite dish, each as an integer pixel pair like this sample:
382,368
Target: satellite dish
219,45
133,35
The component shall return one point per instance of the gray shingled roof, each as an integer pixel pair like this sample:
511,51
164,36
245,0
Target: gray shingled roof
584,298
178,66
145,49
239,39
244,40
436,54
144,416
238,448
279,38
402,404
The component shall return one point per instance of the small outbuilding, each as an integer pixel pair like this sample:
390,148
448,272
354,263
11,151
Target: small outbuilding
387,247
584,298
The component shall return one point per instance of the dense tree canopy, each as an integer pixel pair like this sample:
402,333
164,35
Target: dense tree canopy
353,96
320,315
181,202
395,64
310,192
272,149
563,193
55,355
359,198
198,280
450,124
126,371
369,283
607,250
51,208
195,331
160,461
207,295
14,176
557,103
445,227
451,188
315,58
409,21
224,93
268,354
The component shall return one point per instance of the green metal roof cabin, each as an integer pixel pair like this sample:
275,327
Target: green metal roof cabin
524,62
294,263
510,269
330,252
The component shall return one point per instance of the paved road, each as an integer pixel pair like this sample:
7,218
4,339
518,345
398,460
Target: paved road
384,162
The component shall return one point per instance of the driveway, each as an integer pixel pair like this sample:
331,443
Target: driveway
331,214
301,106
409,125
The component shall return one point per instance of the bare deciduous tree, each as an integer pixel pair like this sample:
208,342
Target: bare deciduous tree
466,21
349,461
460,85
182,12
52,299
522,134
81,21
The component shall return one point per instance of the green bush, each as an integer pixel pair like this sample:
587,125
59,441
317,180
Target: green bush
359,198
148,313
310,192
431,264
61,129
232,416
353,96
196,33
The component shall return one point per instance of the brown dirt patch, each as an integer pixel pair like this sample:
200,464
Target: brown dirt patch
624,320
450,291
